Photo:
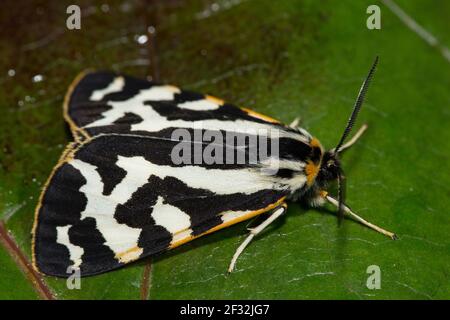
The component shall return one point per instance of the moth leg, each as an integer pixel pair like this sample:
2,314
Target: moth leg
347,210
295,123
277,212
355,138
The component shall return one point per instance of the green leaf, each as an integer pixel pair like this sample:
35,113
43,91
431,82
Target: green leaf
281,58
13,284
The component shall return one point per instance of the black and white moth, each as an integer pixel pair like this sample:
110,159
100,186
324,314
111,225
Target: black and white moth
117,196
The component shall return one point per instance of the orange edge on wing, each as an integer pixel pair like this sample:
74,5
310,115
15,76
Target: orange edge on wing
229,223
260,116
75,130
67,154
220,102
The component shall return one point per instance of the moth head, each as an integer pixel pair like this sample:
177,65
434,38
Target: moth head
330,168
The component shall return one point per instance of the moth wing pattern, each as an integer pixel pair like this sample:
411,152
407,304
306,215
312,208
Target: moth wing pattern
107,102
112,200
116,194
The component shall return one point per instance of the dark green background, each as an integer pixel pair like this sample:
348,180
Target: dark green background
284,59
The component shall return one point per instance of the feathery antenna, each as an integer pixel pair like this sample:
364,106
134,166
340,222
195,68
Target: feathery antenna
357,106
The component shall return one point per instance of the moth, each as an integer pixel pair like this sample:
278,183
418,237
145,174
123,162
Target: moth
119,193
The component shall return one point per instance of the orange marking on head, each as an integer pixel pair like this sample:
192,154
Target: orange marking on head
311,170
315,143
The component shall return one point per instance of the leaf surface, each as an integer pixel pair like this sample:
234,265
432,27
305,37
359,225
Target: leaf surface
281,58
